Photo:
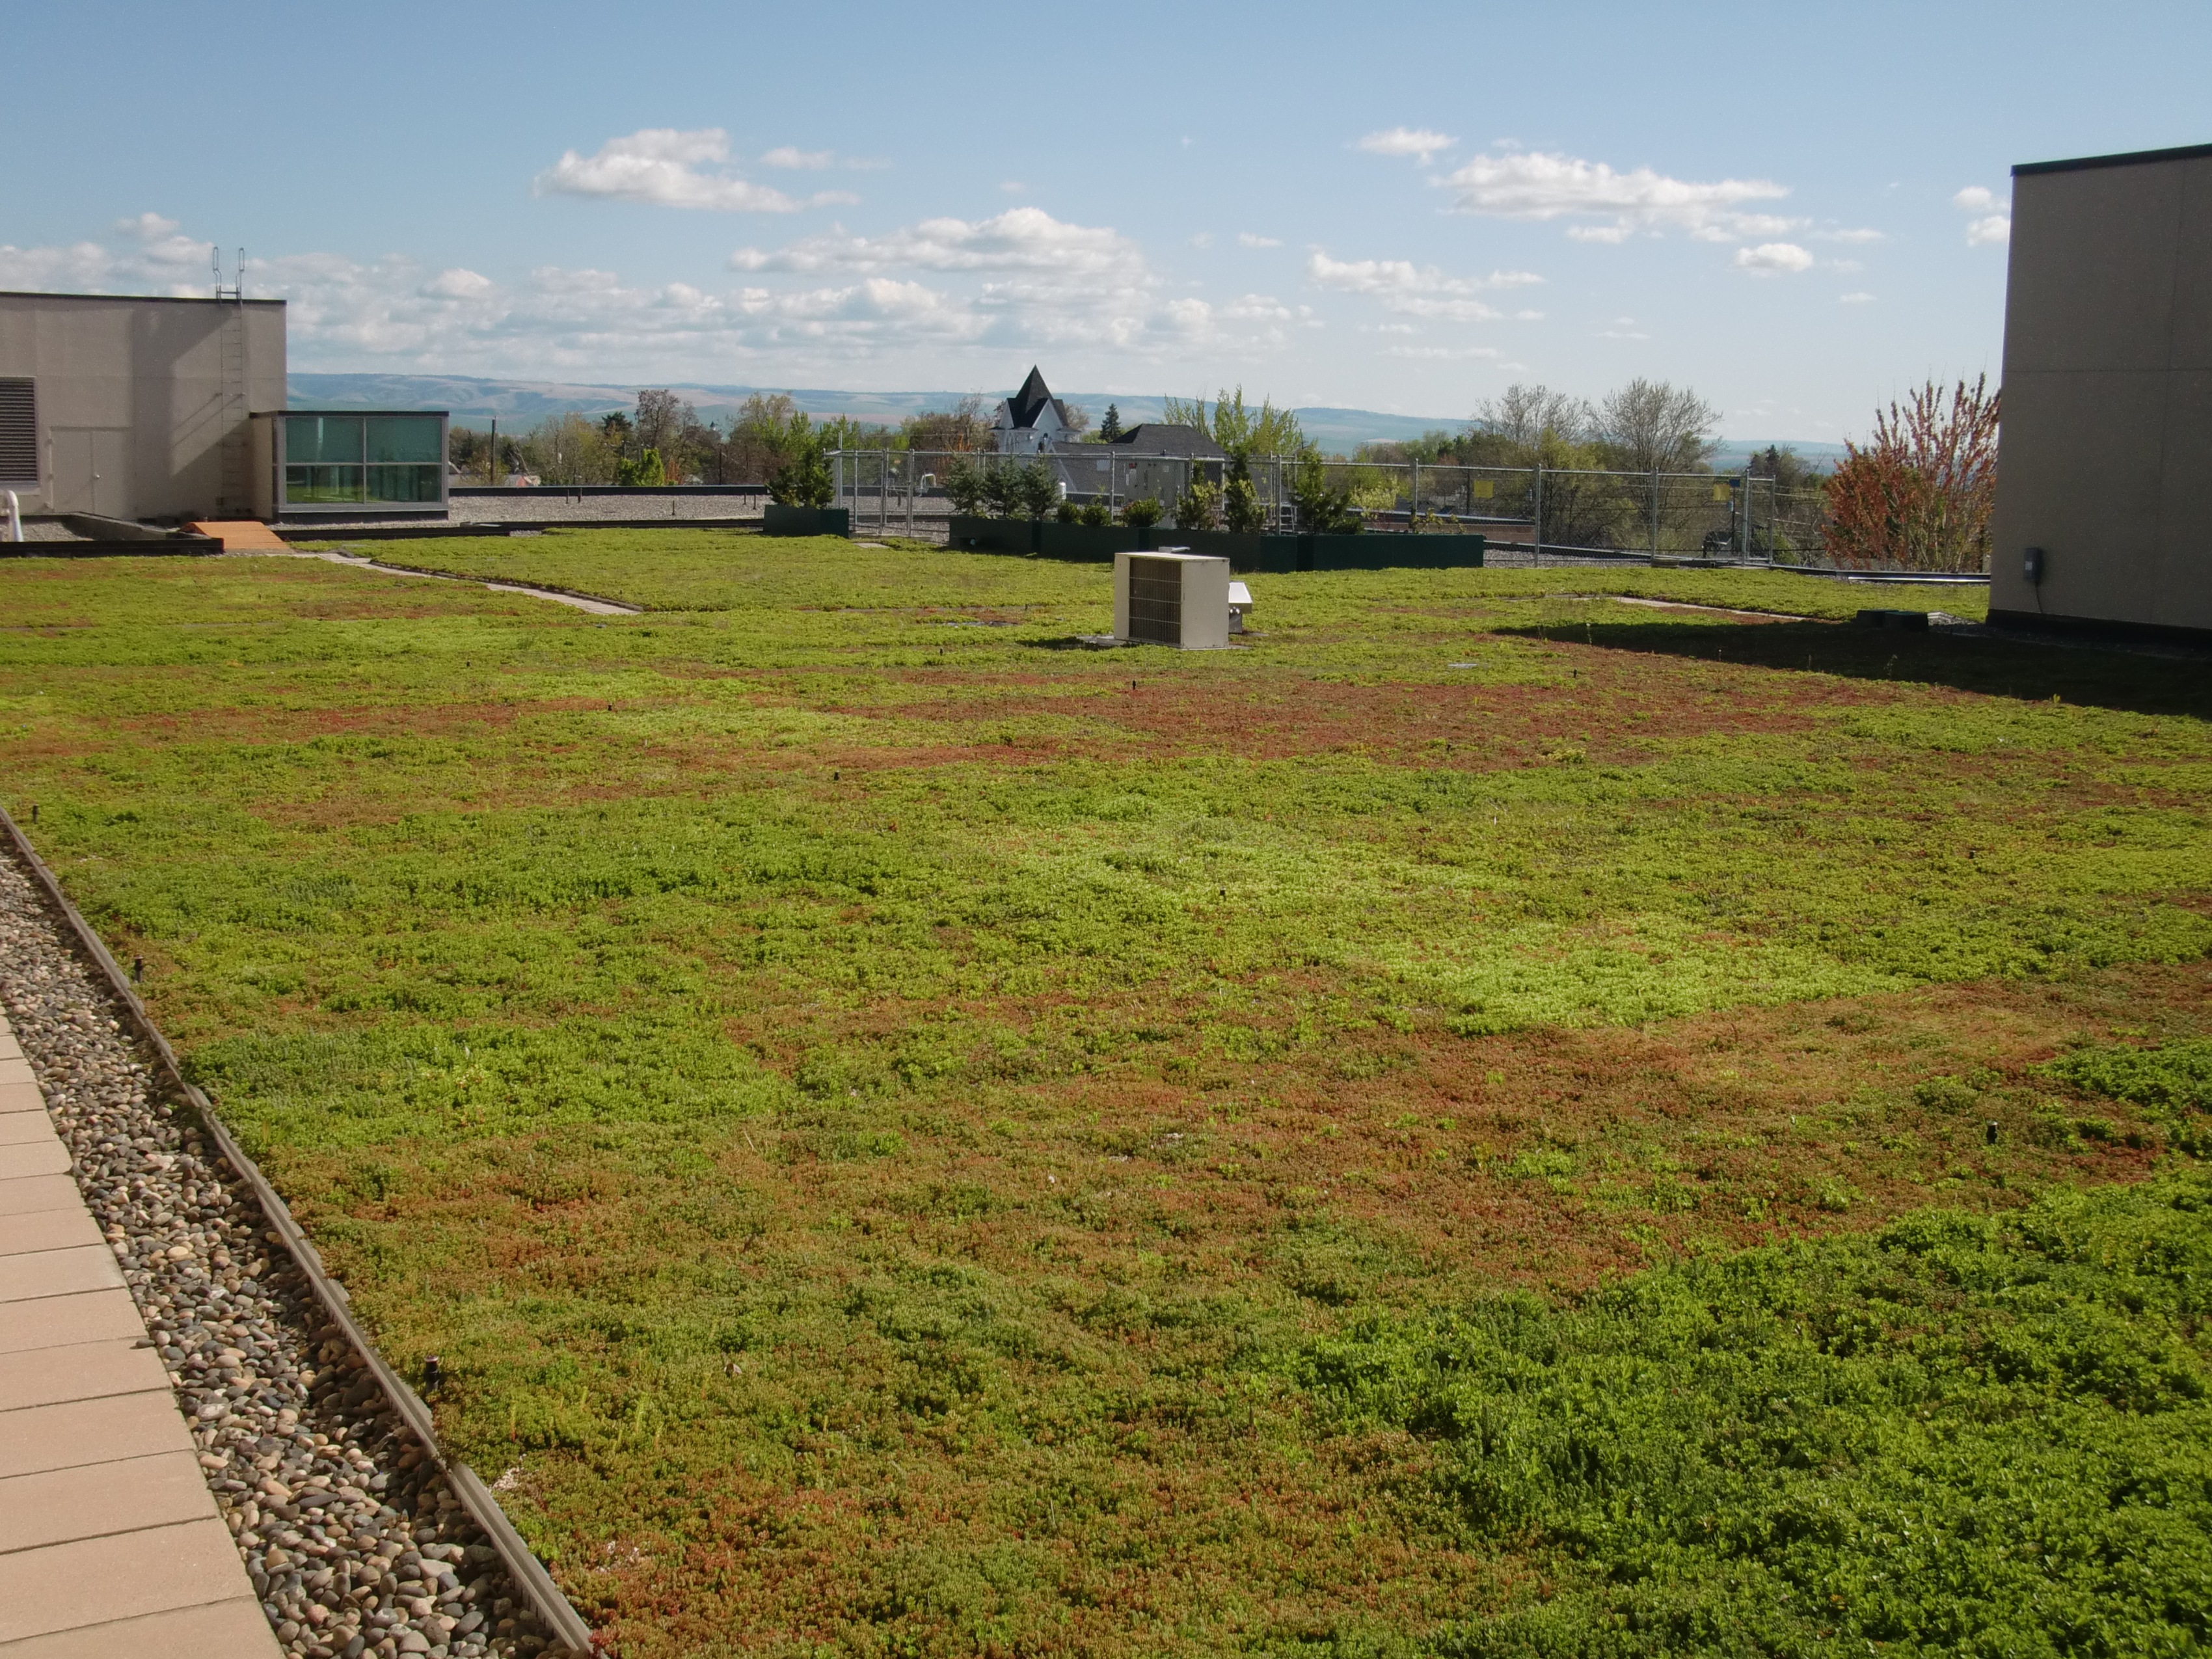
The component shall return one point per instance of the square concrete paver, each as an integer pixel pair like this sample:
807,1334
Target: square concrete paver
91,1432
101,1580
57,1272
49,1230
110,1541
81,1370
223,1630
27,1194
16,1128
46,1156
60,1506
88,1317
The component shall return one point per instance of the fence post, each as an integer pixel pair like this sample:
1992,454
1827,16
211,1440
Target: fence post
1413,512
1537,516
1655,511
1745,537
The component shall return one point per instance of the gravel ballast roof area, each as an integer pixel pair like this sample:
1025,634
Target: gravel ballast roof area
353,1540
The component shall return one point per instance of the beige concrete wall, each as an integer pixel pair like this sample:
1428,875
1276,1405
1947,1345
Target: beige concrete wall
2104,458
132,403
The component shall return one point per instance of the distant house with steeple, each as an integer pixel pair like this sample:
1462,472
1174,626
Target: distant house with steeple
1032,420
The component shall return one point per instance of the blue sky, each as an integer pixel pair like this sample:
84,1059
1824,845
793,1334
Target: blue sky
1403,209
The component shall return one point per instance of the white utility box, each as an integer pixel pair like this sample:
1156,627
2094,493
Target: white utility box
1171,598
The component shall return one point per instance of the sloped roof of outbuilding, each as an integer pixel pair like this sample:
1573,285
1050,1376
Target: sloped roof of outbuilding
1157,438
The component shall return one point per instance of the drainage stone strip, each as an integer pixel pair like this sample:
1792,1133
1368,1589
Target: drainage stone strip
352,1539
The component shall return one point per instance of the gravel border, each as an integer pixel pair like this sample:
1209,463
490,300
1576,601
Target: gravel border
352,1538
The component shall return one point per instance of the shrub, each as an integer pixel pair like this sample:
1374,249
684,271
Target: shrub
965,487
1199,506
1918,497
646,472
1141,513
1240,502
1068,513
1036,489
1322,510
1002,490
801,481
1094,514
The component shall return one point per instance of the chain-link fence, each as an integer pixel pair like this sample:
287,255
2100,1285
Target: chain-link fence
1529,514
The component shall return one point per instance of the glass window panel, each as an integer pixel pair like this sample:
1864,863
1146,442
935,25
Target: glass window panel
309,438
403,438
403,484
310,486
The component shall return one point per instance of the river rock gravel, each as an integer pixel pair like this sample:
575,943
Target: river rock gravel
350,1536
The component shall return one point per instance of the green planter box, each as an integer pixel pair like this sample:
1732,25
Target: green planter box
1247,555
1082,544
807,521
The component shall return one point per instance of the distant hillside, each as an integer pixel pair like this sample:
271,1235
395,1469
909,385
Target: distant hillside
474,402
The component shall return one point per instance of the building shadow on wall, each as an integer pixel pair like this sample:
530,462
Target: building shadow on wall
2031,670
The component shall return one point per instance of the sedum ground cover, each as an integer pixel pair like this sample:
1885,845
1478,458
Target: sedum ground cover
1495,1121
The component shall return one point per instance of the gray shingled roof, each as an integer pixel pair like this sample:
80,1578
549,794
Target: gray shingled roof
1157,438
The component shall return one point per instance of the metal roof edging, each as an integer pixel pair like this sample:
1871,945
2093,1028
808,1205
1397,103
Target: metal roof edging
527,1571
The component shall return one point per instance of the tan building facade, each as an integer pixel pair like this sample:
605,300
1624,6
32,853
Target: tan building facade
135,408
2104,499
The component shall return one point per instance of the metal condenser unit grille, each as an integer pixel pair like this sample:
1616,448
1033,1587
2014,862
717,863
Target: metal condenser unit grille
19,432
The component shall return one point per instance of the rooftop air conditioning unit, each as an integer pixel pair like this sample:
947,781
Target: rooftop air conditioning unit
1171,598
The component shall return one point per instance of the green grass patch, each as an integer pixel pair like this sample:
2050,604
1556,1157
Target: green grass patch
1956,1435
871,1102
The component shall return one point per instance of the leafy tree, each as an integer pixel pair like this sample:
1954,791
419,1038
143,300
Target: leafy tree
662,424
568,449
1918,497
1142,512
961,429
646,472
1240,502
1653,426
1322,510
1109,430
1238,429
1791,472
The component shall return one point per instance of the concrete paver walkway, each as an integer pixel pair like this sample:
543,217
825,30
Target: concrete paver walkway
110,1542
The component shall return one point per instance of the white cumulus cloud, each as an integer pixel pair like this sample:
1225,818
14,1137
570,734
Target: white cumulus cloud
1246,239
1542,186
1419,143
785,155
1773,259
668,168
1412,291
1861,298
1991,224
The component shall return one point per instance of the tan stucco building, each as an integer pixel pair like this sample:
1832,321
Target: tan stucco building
2104,502
135,408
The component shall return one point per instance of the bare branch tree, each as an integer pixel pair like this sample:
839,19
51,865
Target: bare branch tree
1652,426
1527,415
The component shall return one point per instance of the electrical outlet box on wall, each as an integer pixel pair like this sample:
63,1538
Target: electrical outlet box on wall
1171,598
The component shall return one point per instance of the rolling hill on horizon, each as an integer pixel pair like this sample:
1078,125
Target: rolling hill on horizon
473,401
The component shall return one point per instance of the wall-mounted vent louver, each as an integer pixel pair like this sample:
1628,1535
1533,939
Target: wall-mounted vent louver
19,432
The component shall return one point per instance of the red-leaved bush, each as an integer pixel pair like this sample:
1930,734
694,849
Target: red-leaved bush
1918,496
